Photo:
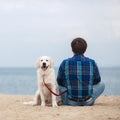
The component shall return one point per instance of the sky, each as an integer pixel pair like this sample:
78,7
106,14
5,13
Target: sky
33,28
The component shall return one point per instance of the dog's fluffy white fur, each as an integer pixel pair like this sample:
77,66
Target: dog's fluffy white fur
45,71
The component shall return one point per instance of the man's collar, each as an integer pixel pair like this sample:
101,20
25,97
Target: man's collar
78,55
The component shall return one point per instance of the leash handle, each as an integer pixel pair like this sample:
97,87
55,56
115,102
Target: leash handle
52,91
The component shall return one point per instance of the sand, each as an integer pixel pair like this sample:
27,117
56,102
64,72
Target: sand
12,108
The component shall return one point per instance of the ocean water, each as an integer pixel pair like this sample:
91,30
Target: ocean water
23,81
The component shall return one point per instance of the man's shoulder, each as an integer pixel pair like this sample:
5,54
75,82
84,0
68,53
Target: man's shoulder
65,61
89,59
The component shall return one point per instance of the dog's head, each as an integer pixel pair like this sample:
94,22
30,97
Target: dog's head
44,63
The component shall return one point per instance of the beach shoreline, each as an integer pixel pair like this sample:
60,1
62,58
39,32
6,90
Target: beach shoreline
12,108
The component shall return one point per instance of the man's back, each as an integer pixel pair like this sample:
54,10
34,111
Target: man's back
78,74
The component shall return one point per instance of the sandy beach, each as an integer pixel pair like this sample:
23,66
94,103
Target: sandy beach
12,108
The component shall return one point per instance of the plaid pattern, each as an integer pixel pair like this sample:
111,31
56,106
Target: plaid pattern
78,74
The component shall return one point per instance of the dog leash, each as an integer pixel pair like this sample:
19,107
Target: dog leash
52,91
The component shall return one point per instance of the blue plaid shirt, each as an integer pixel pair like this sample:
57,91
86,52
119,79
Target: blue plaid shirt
78,74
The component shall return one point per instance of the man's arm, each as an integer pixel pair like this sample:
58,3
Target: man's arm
97,77
60,76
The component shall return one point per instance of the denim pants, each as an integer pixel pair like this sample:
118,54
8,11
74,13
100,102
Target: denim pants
97,91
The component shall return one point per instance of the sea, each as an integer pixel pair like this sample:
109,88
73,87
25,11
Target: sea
23,81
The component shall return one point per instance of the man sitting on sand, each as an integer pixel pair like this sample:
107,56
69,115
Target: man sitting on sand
80,76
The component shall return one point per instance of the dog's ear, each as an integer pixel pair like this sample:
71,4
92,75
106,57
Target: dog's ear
37,63
51,62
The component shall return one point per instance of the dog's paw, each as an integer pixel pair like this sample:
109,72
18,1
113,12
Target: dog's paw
42,104
30,103
54,104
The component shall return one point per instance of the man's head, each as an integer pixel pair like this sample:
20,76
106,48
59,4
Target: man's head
79,46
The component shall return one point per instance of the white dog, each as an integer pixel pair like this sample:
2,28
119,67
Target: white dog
45,72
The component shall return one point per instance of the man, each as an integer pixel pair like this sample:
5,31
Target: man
80,76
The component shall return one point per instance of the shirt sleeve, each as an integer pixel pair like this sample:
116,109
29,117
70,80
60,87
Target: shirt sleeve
60,76
97,77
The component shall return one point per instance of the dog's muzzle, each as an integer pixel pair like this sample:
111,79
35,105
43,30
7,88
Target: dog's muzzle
44,67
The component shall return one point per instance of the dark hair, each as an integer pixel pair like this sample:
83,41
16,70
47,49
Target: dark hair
79,45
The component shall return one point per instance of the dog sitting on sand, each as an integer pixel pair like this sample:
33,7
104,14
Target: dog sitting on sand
45,75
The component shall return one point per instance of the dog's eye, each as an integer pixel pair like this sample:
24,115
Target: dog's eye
41,60
46,60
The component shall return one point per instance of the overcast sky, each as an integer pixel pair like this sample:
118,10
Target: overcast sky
32,28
